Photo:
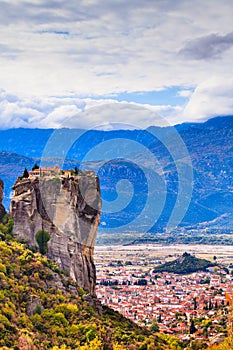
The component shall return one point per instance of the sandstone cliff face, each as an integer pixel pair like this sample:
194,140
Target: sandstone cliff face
2,209
67,208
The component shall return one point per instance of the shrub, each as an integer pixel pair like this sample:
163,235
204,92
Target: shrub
42,238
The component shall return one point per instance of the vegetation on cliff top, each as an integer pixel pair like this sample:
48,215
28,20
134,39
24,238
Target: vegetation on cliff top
42,308
185,264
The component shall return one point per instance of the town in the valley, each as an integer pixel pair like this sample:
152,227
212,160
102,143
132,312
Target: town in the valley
180,304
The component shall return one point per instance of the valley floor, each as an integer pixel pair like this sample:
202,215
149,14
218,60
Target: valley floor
126,282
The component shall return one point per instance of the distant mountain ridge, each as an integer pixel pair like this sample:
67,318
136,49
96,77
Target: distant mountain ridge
210,146
31,142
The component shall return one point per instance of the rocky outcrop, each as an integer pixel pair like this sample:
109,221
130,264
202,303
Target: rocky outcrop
68,208
2,209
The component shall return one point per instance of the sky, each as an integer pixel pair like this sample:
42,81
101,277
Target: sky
93,60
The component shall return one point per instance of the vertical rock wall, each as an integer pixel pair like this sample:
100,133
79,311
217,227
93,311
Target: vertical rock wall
69,210
2,209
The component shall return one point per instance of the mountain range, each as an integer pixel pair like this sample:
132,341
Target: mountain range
131,155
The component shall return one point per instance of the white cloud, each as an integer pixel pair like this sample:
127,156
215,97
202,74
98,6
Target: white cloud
214,97
109,114
87,113
109,46
90,48
185,93
105,115
211,98
58,116
13,114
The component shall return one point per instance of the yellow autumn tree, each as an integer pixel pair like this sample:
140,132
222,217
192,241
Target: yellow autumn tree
227,344
117,346
63,347
95,344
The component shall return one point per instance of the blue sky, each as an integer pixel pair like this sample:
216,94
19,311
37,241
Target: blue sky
162,97
60,59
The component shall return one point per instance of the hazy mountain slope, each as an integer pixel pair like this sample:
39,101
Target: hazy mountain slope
210,147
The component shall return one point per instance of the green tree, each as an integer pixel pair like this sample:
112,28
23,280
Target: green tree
42,238
154,327
25,173
35,166
195,303
192,328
